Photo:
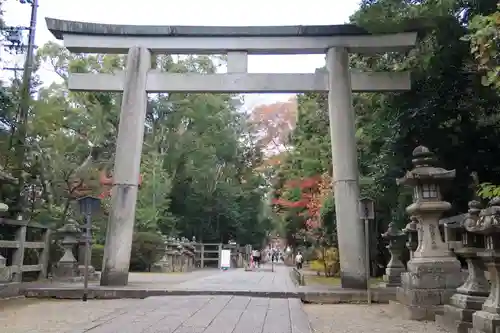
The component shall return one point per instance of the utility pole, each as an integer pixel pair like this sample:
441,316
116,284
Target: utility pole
22,118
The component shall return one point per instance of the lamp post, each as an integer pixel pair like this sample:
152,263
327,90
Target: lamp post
367,213
88,205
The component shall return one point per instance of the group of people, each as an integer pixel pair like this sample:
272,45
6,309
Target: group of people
256,258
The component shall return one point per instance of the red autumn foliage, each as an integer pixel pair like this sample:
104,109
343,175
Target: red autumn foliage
313,192
273,123
307,186
107,183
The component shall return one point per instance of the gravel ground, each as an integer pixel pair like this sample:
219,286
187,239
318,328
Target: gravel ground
54,316
350,318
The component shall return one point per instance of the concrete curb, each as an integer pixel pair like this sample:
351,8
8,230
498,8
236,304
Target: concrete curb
315,297
102,293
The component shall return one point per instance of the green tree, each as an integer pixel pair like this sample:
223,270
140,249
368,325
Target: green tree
198,176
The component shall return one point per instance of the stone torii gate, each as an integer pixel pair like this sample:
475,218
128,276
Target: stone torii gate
139,42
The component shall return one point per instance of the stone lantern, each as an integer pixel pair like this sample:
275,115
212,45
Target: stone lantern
469,297
411,231
67,267
487,227
395,267
433,272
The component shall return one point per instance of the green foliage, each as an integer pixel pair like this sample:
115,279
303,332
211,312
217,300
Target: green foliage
97,256
448,109
197,165
488,191
147,248
484,38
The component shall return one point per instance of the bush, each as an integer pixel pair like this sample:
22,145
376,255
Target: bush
309,254
97,255
327,261
147,249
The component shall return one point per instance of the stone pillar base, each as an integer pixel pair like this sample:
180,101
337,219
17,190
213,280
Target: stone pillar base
485,322
450,325
392,278
457,315
427,286
65,270
415,312
114,278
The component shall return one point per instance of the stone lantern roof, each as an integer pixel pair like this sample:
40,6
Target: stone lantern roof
425,169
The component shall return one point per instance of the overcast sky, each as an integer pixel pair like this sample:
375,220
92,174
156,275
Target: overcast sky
196,12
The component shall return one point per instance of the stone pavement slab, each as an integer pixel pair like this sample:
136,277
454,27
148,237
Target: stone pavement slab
204,314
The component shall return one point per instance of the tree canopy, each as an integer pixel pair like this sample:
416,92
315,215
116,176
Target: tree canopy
452,108
198,165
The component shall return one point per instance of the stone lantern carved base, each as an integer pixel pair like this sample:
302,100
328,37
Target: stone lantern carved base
65,270
427,286
487,320
5,274
469,297
392,276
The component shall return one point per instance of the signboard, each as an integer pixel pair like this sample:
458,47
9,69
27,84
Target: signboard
225,259
366,209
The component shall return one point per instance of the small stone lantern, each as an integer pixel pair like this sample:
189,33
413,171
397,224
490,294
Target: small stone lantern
395,267
67,267
487,227
434,272
411,230
470,296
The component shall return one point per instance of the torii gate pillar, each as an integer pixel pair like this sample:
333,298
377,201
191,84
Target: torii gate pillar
129,143
345,170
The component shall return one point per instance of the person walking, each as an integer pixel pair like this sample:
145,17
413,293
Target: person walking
298,260
256,257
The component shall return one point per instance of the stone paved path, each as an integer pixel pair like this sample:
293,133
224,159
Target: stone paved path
262,279
206,314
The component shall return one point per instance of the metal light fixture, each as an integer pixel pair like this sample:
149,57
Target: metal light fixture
367,213
88,206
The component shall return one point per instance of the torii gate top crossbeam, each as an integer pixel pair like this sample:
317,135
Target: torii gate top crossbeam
108,38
